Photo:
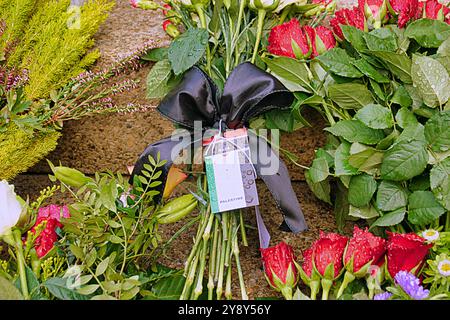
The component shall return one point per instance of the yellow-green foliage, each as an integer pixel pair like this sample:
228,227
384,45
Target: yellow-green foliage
16,14
55,47
20,151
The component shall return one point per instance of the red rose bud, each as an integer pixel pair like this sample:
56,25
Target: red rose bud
327,256
405,252
289,40
280,268
362,250
170,29
168,7
375,10
351,17
324,40
406,10
374,278
308,274
432,9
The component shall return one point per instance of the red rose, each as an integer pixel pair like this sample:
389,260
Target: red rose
52,216
328,250
307,265
405,252
435,10
352,17
406,10
282,38
280,268
365,248
322,39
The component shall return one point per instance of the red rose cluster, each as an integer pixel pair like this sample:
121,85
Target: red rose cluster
333,255
290,39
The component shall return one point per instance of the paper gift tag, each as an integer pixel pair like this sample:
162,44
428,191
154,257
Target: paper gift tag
230,174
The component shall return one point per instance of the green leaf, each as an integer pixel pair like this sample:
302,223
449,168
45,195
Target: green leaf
186,50
158,84
406,159
413,131
101,267
376,87
390,219
398,63
341,164
444,48
437,132
356,131
440,182
280,119
322,153
339,62
428,33
169,288
368,212
405,118
115,239
375,116
58,288
321,189
319,170
381,39
350,95
402,97
8,291
368,70
431,79
156,54
354,36
402,40
361,189
290,69
423,208
391,196
341,206
367,160
88,289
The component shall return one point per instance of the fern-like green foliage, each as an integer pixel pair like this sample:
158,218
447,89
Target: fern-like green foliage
56,43
19,151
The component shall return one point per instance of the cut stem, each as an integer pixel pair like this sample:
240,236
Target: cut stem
261,17
348,277
21,263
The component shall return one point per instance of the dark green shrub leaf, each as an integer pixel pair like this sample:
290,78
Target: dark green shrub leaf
375,116
339,62
423,208
356,131
361,189
428,33
350,95
391,196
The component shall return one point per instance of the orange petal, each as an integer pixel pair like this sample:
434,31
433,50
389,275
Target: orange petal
174,178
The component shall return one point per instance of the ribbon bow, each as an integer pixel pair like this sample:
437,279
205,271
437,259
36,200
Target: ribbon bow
248,92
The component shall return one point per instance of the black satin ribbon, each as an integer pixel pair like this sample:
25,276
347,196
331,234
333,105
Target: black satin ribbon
248,92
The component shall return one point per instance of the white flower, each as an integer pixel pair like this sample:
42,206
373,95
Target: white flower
10,208
444,267
430,235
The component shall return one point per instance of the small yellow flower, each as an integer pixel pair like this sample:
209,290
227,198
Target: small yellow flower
444,267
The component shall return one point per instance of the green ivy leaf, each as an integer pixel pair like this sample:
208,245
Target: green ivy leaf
404,160
292,70
381,39
319,170
339,62
423,208
321,189
356,131
440,182
341,164
375,116
405,118
350,95
428,33
398,63
437,132
186,50
391,196
361,189
431,79
390,219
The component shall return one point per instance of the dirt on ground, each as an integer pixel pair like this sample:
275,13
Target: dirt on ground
112,142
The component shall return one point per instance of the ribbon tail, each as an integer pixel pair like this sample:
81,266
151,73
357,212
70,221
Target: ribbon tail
272,170
166,149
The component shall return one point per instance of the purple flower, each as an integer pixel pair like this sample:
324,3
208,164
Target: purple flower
383,296
411,285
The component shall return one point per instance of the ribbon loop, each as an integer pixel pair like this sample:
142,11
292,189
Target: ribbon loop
248,92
